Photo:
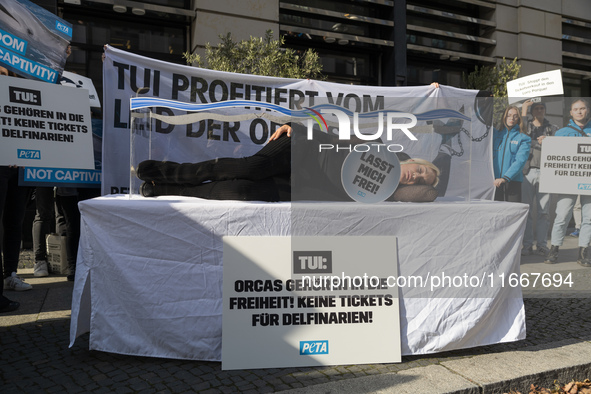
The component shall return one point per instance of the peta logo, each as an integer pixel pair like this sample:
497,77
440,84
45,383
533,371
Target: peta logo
24,96
584,186
29,154
401,124
63,28
584,148
515,142
312,262
313,347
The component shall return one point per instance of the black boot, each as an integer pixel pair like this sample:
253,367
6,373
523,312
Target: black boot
552,257
7,305
584,258
149,189
157,171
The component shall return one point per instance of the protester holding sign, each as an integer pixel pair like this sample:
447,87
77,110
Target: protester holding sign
266,175
578,126
13,201
510,152
537,128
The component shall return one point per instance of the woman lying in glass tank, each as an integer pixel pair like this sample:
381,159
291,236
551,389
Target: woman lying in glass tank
267,175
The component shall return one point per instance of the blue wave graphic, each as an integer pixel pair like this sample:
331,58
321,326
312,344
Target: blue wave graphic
146,102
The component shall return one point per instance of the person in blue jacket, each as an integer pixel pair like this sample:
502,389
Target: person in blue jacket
510,152
578,126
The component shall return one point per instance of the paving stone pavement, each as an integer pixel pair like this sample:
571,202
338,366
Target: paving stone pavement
35,356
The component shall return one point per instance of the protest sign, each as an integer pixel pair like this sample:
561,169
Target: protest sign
74,177
304,301
548,83
44,125
78,81
33,41
566,165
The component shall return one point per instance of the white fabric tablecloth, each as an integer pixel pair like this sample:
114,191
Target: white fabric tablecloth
149,275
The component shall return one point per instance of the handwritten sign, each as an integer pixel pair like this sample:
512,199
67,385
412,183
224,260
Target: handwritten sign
536,85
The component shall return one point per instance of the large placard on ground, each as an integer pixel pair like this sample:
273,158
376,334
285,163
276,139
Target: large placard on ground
566,165
44,125
306,301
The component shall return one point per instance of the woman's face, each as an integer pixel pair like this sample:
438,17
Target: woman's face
512,118
416,174
579,111
538,111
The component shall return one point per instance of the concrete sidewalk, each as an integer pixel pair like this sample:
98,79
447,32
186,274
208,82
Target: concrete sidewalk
35,356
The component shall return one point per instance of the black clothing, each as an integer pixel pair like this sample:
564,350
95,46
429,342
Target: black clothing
510,192
264,176
534,132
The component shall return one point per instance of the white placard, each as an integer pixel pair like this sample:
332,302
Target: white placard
78,81
548,83
566,165
44,125
270,318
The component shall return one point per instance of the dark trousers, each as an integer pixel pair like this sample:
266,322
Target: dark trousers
44,222
68,206
510,192
13,201
263,176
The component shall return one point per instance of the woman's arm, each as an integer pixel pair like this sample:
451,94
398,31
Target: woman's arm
520,158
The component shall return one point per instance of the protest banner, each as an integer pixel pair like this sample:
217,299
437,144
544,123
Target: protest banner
548,83
455,113
45,126
304,301
33,41
566,166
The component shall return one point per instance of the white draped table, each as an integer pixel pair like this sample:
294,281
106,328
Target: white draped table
149,274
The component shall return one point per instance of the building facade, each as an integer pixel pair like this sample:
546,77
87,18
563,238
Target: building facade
370,42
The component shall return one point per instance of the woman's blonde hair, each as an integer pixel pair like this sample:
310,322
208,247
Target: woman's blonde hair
426,163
